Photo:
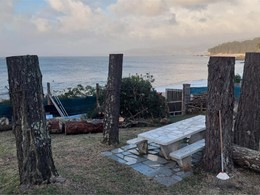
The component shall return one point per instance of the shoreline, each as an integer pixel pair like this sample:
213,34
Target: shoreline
238,56
162,88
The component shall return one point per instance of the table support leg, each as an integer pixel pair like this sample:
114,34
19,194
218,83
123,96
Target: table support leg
143,147
185,163
167,149
197,136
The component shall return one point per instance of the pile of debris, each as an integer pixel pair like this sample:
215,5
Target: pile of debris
198,103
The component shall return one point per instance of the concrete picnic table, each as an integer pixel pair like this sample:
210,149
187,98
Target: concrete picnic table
169,137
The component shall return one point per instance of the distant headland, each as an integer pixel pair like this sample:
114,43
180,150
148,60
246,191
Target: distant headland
236,48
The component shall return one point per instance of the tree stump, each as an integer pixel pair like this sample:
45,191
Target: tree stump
220,98
112,101
33,142
247,125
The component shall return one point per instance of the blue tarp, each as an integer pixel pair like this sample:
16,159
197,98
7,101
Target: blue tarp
200,90
73,106
5,110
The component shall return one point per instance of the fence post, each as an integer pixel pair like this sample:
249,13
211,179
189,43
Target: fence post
97,97
48,93
185,98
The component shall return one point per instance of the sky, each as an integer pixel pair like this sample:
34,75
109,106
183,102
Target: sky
132,27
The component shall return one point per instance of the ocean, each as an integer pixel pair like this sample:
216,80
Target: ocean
168,71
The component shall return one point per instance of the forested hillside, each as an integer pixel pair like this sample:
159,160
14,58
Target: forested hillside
236,47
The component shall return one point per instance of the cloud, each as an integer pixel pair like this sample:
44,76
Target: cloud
194,4
6,10
71,15
172,19
139,7
41,24
86,27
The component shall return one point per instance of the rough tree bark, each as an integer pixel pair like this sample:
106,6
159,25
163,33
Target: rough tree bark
112,101
220,97
33,142
247,125
246,158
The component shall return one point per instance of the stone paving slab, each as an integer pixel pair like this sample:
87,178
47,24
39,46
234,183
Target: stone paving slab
166,172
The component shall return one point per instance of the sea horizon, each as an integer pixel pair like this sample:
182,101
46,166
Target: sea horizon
64,72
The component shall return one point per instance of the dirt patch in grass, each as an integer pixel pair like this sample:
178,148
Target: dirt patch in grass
78,159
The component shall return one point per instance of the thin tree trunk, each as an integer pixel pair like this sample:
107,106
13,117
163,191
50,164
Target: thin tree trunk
112,101
220,98
33,142
247,125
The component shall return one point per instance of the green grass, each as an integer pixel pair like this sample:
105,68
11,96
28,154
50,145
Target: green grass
78,159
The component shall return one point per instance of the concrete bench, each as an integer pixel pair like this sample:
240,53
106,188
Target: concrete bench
141,144
183,155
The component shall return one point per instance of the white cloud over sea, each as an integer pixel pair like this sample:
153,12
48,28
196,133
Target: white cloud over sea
89,27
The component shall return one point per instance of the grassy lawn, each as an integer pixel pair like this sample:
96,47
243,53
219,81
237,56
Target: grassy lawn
78,159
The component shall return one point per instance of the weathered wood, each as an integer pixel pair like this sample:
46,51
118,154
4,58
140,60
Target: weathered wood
5,127
246,158
247,125
112,101
220,97
185,98
77,127
33,142
55,126
198,103
49,93
97,97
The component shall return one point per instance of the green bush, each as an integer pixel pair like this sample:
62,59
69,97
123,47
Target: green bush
78,91
237,78
139,99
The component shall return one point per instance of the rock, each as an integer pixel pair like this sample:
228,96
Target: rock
57,179
4,121
164,121
4,124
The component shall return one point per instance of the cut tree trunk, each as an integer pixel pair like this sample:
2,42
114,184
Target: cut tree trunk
220,98
247,125
246,158
76,127
33,142
112,101
5,128
55,126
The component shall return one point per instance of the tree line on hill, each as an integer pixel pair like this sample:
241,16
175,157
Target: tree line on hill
237,47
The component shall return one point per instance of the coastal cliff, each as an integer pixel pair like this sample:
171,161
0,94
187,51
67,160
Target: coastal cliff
236,49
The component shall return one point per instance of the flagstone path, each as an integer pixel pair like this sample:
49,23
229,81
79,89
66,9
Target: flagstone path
152,165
